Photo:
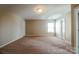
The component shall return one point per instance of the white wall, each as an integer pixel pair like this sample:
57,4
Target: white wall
12,27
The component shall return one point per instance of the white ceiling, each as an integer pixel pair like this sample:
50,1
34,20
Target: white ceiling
50,11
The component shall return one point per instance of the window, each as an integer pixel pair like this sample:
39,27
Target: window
63,28
58,28
50,27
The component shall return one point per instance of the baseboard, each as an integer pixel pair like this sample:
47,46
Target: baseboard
10,42
39,35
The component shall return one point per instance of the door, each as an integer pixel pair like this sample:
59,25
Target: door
78,34
77,30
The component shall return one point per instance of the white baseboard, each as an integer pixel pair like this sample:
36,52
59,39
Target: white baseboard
10,42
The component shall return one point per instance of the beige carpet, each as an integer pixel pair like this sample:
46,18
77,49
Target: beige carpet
38,45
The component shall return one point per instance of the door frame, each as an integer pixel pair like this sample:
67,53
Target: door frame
76,18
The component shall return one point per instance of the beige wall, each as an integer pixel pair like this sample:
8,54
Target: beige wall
37,27
68,27
12,27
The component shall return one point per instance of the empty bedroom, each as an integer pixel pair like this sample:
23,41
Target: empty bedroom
35,29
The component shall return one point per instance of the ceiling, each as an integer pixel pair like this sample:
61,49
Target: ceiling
28,12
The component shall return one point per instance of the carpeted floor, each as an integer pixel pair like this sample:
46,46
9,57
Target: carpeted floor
38,45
